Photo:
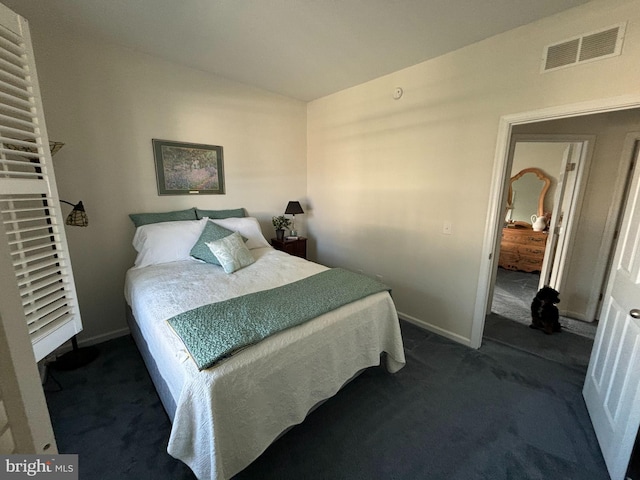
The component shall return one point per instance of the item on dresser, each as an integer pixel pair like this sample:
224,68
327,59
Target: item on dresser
539,223
522,249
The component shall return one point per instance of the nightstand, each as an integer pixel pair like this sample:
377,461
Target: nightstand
292,247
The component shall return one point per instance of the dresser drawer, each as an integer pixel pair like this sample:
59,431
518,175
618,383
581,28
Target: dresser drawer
530,263
523,236
531,250
509,260
522,249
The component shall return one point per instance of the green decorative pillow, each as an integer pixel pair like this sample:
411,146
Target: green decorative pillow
140,219
231,252
234,213
211,233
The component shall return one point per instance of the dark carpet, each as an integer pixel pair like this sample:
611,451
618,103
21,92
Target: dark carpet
508,323
512,296
566,348
451,413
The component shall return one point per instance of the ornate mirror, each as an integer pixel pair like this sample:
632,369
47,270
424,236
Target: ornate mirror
527,190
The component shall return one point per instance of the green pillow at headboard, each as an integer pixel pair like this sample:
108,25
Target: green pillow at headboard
211,233
220,214
140,219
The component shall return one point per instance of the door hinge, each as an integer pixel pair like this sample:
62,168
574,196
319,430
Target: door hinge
571,167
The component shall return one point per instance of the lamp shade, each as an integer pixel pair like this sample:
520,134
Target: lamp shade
54,147
293,208
77,217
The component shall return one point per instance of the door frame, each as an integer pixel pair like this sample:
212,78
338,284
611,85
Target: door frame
501,169
556,259
585,155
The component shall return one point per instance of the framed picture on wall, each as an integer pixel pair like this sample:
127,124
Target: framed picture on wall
188,168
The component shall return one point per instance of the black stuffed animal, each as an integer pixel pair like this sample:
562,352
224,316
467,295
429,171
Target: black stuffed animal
544,313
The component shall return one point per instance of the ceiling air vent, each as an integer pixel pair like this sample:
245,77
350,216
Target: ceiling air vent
586,48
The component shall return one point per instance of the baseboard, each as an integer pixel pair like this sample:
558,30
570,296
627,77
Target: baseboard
435,329
574,316
85,342
104,337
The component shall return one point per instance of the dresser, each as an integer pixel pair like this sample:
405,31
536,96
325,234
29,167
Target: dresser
522,249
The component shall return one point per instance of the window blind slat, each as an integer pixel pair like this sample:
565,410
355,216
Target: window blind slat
18,111
43,271
47,325
46,304
56,316
23,210
33,288
17,131
13,41
18,101
34,248
35,258
46,311
15,120
21,231
40,296
46,218
18,163
14,75
30,239
23,198
13,186
20,153
15,151
20,92
13,68
18,174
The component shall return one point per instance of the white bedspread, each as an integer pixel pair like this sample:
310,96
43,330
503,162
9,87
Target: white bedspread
228,415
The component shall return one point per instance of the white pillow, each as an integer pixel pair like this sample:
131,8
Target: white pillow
248,227
166,242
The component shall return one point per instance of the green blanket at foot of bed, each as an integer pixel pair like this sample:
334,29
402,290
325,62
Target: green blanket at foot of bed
213,332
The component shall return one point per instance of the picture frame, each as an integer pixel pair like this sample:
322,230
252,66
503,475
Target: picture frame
188,168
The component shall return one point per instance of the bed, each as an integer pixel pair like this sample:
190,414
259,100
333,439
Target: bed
225,416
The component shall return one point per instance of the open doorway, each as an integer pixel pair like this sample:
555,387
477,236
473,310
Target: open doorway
548,173
585,266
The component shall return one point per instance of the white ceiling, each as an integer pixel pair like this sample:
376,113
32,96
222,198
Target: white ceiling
303,49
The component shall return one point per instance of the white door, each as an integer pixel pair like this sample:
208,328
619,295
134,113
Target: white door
549,264
612,385
29,206
564,216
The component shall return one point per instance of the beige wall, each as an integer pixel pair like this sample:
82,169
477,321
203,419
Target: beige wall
384,175
106,103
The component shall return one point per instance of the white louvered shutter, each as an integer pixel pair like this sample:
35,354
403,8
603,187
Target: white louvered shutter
29,205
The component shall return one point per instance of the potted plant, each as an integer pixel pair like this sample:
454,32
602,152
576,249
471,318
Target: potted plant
280,223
